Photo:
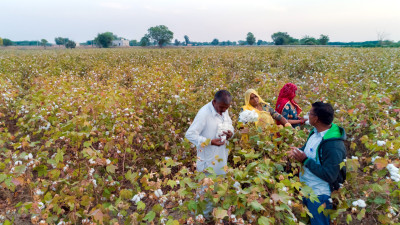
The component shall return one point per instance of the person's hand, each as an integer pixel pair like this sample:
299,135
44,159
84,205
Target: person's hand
217,142
228,134
288,125
302,120
297,154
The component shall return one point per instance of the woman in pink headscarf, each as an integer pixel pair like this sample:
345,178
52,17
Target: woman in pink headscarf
287,107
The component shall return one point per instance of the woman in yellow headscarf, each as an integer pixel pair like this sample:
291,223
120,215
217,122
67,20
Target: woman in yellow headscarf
266,114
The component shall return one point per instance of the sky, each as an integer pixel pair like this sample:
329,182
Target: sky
201,20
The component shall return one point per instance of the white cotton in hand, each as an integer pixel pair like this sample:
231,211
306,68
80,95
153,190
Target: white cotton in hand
248,116
223,127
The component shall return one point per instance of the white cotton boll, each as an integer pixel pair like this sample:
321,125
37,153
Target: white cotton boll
361,203
108,161
223,127
374,158
200,218
236,185
91,171
41,205
289,203
158,193
91,161
354,157
248,116
381,143
39,192
18,163
94,183
285,189
223,138
391,210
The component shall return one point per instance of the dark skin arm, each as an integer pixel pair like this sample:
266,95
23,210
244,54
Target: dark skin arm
299,121
298,155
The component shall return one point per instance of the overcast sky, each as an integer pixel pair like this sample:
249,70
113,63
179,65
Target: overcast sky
201,20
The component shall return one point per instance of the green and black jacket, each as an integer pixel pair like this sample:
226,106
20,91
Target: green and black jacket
330,152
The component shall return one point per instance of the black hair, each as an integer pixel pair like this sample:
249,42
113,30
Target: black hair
223,96
324,112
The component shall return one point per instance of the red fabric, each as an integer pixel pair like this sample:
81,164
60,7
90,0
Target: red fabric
287,93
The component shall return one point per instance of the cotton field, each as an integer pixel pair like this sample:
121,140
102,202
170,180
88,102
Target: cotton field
96,136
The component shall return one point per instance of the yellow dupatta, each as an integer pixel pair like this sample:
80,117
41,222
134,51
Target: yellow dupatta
264,117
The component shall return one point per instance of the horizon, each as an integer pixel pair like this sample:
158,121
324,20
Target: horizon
202,21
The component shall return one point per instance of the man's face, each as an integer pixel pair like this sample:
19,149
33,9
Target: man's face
254,101
220,107
313,119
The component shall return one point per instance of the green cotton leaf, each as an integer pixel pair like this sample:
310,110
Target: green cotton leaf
321,208
157,208
257,206
222,189
172,222
236,159
349,219
126,194
111,168
131,176
361,214
7,222
141,205
171,183
220,213
192,206
2,177
87,144
264,220
42,170
380,201
60,156
150,216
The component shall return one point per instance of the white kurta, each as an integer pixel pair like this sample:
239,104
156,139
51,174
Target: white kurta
205,126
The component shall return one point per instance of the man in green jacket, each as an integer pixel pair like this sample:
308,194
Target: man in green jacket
321,157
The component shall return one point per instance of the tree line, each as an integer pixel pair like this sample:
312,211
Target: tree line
161,36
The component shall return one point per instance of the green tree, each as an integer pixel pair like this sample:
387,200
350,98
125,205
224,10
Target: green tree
70,44
250,38
215,41
1,42
177,43
61,40
44,42
133,43
104,40
145,41
308,40
283,38
7,42
323,39
160,34
187,41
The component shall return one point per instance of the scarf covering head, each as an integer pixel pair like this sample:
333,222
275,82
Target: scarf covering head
287,94
264,117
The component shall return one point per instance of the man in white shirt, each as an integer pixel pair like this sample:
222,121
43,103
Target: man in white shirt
209,131
213,154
